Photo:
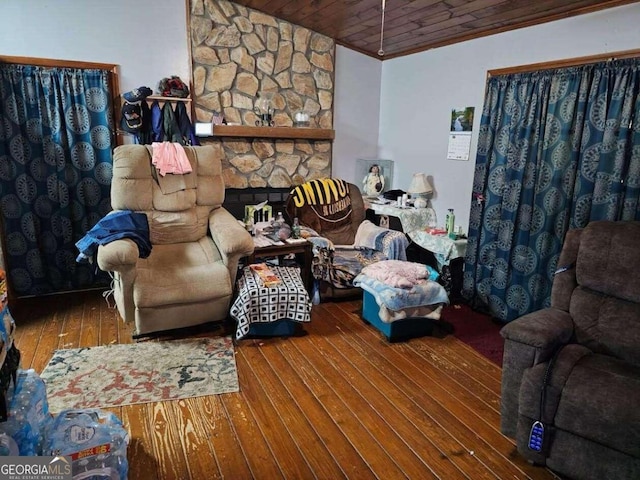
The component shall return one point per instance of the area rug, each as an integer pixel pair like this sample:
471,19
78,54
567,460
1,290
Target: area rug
479,331
127,374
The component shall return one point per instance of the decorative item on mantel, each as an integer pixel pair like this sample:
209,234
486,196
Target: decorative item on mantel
264,110
301,118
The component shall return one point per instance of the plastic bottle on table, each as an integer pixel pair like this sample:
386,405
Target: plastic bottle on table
295,228
451,223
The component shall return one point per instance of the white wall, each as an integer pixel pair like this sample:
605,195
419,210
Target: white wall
147,38
397,109
356,111
419,91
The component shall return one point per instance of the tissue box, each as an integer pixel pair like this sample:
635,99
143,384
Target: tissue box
399,329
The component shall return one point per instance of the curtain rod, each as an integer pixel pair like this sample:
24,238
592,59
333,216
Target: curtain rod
570,62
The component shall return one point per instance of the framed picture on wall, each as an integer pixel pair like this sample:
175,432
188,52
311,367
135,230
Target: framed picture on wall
374,176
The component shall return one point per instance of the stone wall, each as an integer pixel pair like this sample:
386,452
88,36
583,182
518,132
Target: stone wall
238,53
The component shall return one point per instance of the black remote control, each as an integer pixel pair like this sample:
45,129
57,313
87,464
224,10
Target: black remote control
536,436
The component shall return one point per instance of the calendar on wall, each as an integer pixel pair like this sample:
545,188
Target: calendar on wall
459,147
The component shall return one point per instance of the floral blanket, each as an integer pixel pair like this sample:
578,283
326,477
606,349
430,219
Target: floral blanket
340,264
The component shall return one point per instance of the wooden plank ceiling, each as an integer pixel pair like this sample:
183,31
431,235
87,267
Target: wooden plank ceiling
416,25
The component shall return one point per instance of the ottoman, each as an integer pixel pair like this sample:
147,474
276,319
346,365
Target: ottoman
277,310
396,330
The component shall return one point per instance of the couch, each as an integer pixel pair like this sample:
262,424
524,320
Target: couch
588,400
189,276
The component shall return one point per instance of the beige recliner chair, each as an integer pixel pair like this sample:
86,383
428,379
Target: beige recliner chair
188,278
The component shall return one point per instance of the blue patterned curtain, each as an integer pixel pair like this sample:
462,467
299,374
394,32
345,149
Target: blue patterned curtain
55,173
556,150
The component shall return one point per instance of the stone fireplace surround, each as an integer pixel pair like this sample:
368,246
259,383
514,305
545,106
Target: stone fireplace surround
237,53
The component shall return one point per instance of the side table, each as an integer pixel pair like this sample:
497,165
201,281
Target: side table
414,222
302,250
444,249
448,255
439,251
410,218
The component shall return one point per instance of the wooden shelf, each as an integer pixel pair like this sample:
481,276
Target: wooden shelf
273,132
162,98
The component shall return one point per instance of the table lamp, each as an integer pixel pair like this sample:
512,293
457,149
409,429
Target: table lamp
420,189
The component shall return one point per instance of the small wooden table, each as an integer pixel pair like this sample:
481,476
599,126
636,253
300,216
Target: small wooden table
304,257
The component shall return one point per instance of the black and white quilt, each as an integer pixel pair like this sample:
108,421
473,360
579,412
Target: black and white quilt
257,303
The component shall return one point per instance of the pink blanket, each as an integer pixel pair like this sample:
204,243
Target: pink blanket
170,158
397,273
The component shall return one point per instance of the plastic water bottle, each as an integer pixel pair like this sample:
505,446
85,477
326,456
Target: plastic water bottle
8,446
295,228
451,223
28,413
279,219
94,438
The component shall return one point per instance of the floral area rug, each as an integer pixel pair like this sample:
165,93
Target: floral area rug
116,375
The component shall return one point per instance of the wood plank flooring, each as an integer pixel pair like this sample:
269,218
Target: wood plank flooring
339,402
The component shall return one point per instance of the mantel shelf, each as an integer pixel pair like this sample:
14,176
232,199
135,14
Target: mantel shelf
162,98
273,132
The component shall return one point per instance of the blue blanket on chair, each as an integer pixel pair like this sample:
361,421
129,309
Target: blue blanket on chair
390,242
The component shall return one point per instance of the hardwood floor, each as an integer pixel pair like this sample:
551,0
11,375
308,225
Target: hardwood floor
339,402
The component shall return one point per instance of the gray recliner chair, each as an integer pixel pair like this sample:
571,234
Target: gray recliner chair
188,279
588,400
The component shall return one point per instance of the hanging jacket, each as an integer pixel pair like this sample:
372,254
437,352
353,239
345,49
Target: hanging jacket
157,134
144,134
184,123
170,127
114,226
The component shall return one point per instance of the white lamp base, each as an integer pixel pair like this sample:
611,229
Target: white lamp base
420,203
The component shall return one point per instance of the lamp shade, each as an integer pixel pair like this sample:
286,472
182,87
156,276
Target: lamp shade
420,185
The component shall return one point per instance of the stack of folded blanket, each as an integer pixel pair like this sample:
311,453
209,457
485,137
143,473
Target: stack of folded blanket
403,289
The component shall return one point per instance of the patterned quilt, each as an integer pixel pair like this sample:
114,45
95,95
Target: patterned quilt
257,303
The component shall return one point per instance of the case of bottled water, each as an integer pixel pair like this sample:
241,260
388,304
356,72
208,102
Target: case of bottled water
28,415
95,440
